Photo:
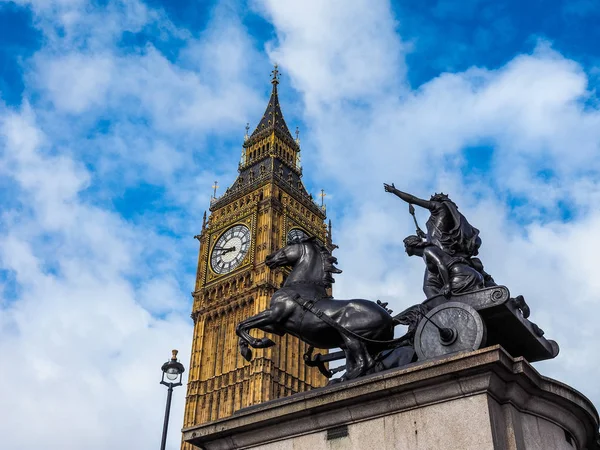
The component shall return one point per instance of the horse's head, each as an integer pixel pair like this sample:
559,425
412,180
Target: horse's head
317,262
286,256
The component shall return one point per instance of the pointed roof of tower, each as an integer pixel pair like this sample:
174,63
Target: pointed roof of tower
272,120
271,163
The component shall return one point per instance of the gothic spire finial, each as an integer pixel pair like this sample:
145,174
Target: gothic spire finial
247,129
275,75
322,195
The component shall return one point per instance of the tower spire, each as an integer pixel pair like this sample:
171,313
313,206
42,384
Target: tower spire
272,120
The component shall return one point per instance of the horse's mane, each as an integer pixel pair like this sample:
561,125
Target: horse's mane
328,259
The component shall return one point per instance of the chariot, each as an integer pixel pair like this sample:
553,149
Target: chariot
477,319
465,322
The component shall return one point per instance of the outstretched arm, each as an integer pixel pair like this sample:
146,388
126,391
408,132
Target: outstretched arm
408,198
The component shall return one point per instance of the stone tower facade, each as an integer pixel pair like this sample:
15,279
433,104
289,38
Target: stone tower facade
266,205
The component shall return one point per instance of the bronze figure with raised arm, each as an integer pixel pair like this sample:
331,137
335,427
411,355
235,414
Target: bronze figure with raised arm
448,230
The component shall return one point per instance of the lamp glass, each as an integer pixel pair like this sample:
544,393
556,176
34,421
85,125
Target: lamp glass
172,373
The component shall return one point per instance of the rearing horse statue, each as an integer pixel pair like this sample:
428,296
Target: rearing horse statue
302,307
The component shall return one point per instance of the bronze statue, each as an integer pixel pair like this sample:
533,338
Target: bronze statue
302,307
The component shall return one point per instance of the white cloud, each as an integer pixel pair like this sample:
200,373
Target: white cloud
337,49
147,85
78,82
77,24
78,322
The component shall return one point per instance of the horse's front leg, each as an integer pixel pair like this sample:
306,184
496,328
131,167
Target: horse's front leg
260,320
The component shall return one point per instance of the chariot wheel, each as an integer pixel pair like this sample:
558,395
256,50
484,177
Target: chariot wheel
449,328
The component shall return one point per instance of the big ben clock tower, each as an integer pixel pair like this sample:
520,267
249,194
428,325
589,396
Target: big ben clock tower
266,205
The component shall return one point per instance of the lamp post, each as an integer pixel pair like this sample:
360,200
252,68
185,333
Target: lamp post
173,371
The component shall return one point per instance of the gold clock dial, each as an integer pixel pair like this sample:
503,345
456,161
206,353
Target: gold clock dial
230,249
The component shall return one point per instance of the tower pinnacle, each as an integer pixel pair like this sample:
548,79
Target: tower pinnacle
275,75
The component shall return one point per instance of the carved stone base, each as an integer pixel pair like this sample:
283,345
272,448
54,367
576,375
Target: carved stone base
479,400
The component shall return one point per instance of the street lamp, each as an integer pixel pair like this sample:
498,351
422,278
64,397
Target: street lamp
172,371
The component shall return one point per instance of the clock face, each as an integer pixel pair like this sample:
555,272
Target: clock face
230,249
296,235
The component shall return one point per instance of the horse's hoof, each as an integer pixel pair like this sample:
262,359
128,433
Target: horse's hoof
264,343
246,352
351,376
334,381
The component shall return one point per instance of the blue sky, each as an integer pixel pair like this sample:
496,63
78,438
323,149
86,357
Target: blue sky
117,116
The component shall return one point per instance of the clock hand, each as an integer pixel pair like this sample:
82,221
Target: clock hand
225,250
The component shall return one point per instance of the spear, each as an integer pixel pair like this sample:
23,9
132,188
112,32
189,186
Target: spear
411,210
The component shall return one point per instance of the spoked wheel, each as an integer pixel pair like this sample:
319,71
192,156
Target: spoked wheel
449,328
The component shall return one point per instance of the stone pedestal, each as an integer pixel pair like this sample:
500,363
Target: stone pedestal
470,401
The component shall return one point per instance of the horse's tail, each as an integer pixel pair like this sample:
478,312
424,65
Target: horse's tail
410,316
